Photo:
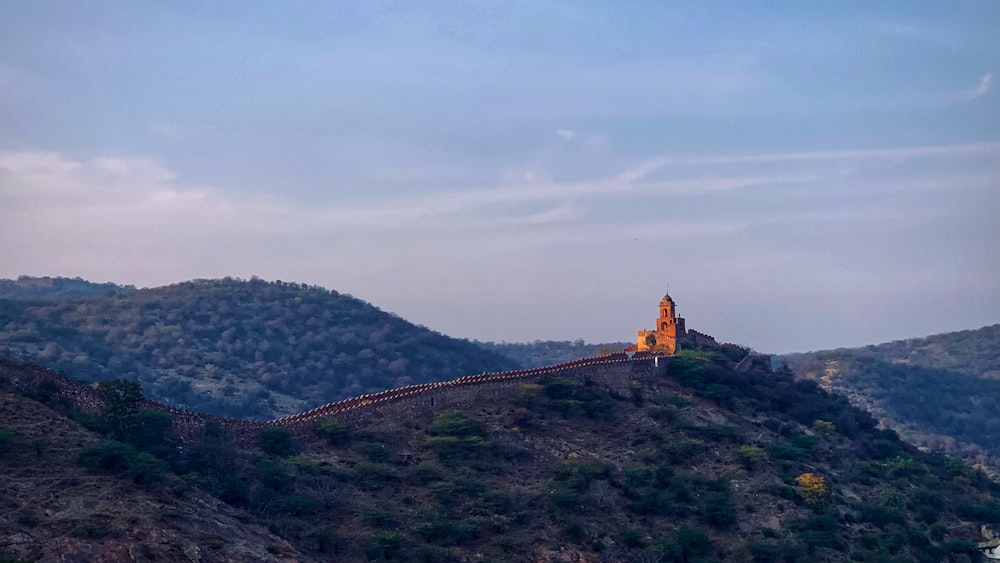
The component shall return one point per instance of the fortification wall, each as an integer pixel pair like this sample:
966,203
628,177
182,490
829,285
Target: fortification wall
611,371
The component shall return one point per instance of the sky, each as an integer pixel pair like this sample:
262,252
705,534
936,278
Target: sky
798,175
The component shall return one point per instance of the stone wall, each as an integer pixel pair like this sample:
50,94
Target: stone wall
611,371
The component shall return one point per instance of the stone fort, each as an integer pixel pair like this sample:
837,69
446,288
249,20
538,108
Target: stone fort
665,337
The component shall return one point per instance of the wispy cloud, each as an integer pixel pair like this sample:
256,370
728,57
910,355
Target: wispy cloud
985,83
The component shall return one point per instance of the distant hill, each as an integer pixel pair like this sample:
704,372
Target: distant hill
542,353
250,349
688,460
28,287
941,391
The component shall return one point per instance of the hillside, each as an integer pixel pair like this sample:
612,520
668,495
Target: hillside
53,509
550,352
627,460
940,391
249,349
29,287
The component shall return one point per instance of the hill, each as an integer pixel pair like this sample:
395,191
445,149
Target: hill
29,287
681,460
53,509
250,349
939,391
550,352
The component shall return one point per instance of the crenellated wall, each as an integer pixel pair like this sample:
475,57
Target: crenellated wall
613,371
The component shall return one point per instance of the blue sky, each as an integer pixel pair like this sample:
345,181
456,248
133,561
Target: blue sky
803,175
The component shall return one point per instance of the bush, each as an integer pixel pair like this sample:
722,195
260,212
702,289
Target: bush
276,440
118,458
718,510
274,476
750,456
812,487
453,423
384,545
335,431
376,452
6,437
632,538
693,543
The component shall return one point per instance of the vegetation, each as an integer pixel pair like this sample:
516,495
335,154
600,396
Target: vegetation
937,391
28,287
664,468
541,353
249,349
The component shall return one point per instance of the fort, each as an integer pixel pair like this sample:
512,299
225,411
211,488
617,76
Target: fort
648,359
669,327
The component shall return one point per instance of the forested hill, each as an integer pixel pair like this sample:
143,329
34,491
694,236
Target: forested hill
940,391
541,353
250,349
29,287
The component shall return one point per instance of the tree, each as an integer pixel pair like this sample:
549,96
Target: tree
276,440
122,399
812,487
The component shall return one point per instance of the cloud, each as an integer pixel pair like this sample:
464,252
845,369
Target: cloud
983,88
985,82
566,134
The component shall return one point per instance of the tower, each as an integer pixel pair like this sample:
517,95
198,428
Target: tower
663,338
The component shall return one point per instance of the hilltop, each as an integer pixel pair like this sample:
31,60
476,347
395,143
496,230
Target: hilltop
939,391
30,287
673,460
250,349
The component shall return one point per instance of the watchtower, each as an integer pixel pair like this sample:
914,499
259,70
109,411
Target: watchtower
669,327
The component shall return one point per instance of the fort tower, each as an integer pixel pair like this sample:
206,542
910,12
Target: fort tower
669,327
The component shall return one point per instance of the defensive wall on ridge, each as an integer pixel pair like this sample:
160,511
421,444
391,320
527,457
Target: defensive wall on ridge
613,371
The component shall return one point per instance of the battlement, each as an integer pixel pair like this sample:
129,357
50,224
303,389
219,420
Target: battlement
615,370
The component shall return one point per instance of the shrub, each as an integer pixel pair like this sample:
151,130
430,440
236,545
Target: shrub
812,487
376,452
335,431
750,456
558,388
274,475
384,545
109,456
453,423
632,538
718,510
6,437
276,440
824,428
693,543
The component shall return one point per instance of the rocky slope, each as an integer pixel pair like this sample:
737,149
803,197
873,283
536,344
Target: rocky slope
692,462
52,509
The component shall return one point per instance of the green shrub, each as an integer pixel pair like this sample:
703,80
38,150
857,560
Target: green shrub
632,538
376,452
442,530
274,476
335,431
750,456
109,456
384,546
6,437
118,458
693,543
558,388
373,476
718,510
276,440
378,517
453,448
453,423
